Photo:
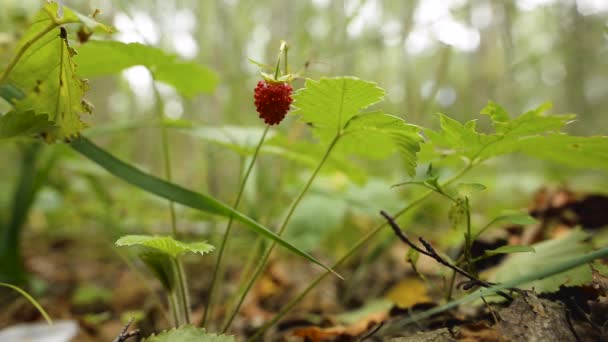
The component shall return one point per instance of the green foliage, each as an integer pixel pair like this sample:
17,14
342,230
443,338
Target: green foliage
97,58
44,70
161,265
165,244
574,151
333,107
330,102
512,218
468,189
548,255
21,124
188,333
243,140
464,140
176,193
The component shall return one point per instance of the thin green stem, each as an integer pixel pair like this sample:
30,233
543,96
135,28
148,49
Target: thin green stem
247,271
179,272
183,291
282,51
348,254
291,210
237,201
172,297
468,243
23,49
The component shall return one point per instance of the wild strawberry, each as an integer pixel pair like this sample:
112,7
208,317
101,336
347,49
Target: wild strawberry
272,100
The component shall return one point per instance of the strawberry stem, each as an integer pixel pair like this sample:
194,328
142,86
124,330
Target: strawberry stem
282,51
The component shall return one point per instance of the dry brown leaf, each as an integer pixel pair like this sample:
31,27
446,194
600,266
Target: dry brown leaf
409,292
317,334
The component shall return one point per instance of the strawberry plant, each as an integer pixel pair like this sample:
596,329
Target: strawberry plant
44,84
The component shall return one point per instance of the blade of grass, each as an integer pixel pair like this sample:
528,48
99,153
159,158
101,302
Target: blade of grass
32,300
178,194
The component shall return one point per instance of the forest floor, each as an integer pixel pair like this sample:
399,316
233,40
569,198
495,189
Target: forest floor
86,281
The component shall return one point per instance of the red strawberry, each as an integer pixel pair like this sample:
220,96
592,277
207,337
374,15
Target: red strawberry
272,100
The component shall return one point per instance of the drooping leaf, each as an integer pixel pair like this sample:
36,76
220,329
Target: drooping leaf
165,244
188,333
178,194
331,102
548,254
44,72
161,266
98,58
510,249
377,135
15,124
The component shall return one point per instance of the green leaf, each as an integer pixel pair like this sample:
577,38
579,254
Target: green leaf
165,244
45,73
520,219
48,74
331,102
162,266
548,255
188,333
455,138
574,151
333,107
496,113
309,154
515,218
98,58
177,194
16,124
243,140
510,249
377,135
468,189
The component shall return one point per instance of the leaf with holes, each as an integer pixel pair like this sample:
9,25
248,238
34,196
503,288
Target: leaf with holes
44,72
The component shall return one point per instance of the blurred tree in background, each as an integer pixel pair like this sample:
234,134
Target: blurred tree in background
431,56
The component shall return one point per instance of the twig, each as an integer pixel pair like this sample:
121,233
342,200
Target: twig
125,335
430,252
372,332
